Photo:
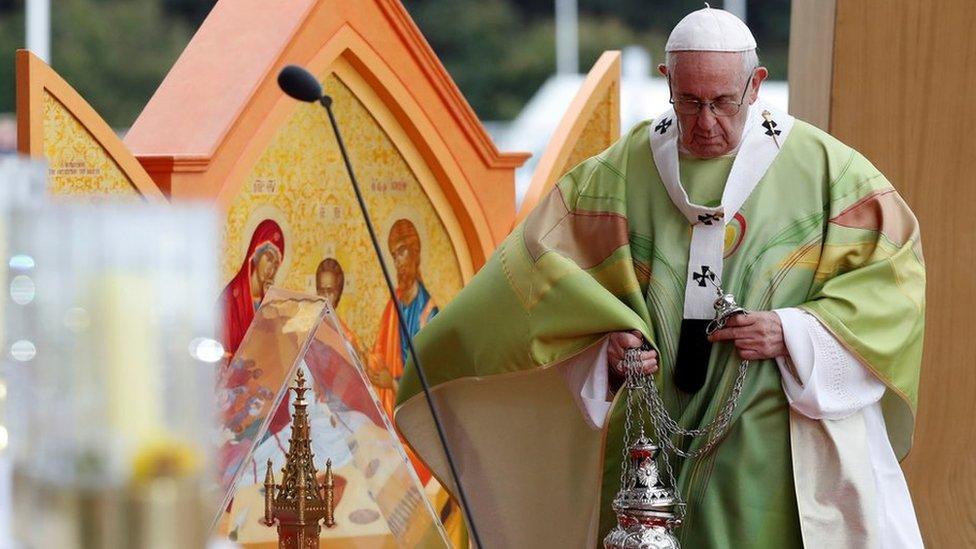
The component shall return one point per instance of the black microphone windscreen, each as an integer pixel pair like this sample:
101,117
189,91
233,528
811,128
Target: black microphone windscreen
299,84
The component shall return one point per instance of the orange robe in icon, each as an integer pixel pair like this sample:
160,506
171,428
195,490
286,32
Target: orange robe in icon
390,352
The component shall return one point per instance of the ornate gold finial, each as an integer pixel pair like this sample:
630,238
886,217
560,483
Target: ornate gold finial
329,495
299,503
269,490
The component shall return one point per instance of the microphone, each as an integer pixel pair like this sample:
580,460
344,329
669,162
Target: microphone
298,83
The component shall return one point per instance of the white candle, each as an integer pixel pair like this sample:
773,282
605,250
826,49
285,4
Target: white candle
127,339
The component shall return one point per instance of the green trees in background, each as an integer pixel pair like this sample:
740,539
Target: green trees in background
500,51
11,38
116,52
116,70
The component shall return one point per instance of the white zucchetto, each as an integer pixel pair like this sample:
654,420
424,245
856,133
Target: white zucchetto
710,29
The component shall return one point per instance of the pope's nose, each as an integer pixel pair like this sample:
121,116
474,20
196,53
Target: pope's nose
706,119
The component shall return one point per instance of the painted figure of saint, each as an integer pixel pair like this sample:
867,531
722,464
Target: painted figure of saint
390,350
332,376
245,291
241,403
330,280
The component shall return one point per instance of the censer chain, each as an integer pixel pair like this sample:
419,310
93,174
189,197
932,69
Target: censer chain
665,426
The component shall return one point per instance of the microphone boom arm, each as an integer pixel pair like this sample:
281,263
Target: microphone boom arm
326,102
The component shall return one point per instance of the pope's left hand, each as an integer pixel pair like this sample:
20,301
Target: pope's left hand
757,335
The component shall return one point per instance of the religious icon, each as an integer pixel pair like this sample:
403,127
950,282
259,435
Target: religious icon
390,350
331,375
241,297
330,280
241,416
245,291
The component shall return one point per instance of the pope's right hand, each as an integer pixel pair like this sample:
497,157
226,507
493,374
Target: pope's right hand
619,343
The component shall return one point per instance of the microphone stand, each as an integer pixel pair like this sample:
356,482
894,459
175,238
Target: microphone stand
326,102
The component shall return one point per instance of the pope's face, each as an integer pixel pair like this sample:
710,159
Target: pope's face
712,76
327,286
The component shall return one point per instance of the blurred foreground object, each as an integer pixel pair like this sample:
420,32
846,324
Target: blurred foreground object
110,359
22,182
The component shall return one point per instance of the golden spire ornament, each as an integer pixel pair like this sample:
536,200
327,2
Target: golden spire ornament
299,503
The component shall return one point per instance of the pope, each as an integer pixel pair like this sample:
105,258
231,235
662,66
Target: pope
719,191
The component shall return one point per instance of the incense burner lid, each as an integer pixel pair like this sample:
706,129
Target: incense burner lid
642,489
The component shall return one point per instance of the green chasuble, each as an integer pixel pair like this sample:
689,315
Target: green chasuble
607,251
704,178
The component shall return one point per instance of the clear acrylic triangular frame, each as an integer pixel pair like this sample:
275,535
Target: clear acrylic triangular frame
379,496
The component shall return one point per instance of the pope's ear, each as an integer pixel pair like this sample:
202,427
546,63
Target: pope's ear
757,79
663,69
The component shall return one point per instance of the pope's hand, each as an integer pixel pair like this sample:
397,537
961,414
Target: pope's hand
757,335
619,343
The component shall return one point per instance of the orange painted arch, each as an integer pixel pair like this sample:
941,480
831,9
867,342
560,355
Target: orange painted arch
34,77
600,89
219,107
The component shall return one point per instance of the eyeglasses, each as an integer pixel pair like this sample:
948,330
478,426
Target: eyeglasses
722,107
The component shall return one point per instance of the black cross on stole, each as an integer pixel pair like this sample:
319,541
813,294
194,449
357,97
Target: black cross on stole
705,274
663,126
770,126
707,219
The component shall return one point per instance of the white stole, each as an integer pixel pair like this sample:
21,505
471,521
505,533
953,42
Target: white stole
761,142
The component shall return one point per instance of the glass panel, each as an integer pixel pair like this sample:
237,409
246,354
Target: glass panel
379,499
253,383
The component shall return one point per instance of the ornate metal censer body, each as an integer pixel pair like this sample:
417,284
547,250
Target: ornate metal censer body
645,509
648,512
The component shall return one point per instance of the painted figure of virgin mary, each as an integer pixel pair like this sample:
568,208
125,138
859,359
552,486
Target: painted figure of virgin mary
244,293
